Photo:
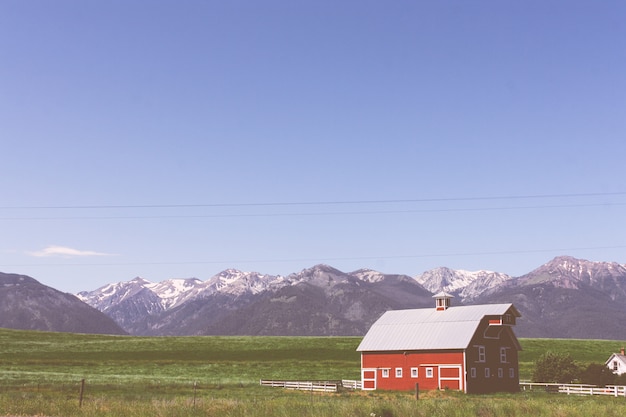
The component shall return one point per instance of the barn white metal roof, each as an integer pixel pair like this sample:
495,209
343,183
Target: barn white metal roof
427,328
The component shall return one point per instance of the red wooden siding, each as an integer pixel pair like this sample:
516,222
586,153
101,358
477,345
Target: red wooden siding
449,372
488,365
425,362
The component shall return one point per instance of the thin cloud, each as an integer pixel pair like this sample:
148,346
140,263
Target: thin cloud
65,252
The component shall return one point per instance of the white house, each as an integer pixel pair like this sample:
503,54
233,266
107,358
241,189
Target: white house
617,363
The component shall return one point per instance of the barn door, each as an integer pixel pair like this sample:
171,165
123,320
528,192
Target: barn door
451,377
368,379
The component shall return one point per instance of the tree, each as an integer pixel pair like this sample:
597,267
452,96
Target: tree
620,379
556,367
597,374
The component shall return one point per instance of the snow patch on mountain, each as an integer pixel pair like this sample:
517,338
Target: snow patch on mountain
235,282
465,284
569,272
368,275
173,292
112,294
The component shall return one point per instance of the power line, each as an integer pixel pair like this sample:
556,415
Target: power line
326,213
313,203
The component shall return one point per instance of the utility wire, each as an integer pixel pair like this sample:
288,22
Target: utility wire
316,203
327,213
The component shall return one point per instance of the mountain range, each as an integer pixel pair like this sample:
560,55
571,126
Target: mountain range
316,301
564,298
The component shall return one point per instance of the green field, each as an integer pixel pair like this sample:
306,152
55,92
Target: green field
41,373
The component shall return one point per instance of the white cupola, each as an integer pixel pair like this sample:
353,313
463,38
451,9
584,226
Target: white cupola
442,300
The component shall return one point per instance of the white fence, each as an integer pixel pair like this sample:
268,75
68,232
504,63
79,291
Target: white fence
351,384
322,386
612,390
570,389
575,389
318,386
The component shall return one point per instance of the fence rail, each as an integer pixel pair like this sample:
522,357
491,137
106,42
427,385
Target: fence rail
570,389
575,389
317,386
351,384
614,390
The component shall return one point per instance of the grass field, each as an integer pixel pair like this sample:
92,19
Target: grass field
41,373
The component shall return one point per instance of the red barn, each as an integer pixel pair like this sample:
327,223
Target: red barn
467,348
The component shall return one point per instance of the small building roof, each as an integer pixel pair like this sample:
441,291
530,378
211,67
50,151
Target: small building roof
443,294
429,329
617,356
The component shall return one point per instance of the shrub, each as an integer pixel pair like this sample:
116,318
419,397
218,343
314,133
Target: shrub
556,367
597,374
620,379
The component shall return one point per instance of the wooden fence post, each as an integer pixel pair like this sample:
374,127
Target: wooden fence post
82,390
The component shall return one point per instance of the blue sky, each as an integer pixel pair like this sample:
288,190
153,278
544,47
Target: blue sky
175,139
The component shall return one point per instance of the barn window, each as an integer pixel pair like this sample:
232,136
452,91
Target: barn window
511,372
385,373
473,372
414,372
500,373
503,355
429,372
481,354
398,372
487,372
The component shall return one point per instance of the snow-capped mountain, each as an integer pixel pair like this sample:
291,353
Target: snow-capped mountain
368,275
173,292
192,306
111,295
322,301
168,293
566,297
235,282
136,304
464,284
569,272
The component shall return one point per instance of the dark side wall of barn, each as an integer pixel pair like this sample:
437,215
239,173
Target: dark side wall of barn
489,367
